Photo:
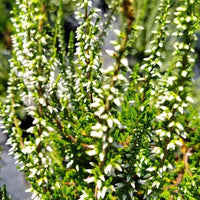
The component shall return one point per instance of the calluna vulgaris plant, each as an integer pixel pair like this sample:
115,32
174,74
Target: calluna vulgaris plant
124,131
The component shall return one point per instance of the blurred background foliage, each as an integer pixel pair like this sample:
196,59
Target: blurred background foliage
5,44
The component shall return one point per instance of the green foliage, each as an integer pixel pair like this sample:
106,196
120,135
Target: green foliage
123,131
3,193
4,70
5,45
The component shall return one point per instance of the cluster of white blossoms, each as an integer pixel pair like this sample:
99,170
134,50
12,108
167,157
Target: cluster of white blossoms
34,68
174,103
144,164
100,131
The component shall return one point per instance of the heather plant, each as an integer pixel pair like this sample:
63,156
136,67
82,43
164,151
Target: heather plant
123,131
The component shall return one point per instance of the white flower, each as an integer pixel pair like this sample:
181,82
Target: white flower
97,126
51,129
133,185
102,178
151,169
28,149
178,142
89,179
32,172
171,124
89,3
189,99
171,79
95,104
110,122
117,32
122,78
92,152
34,195
124,62
156,184
184,73
124,197
106,87
170,166
180,109
117,102
161,117
179,126
49,149
97,134
69,164
89,171
37,141
156,150
100,111
101,156
99,184
149,191
108,169
105,116
171,145
103,192
30,130
110,53
118,167
110,140
83,196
